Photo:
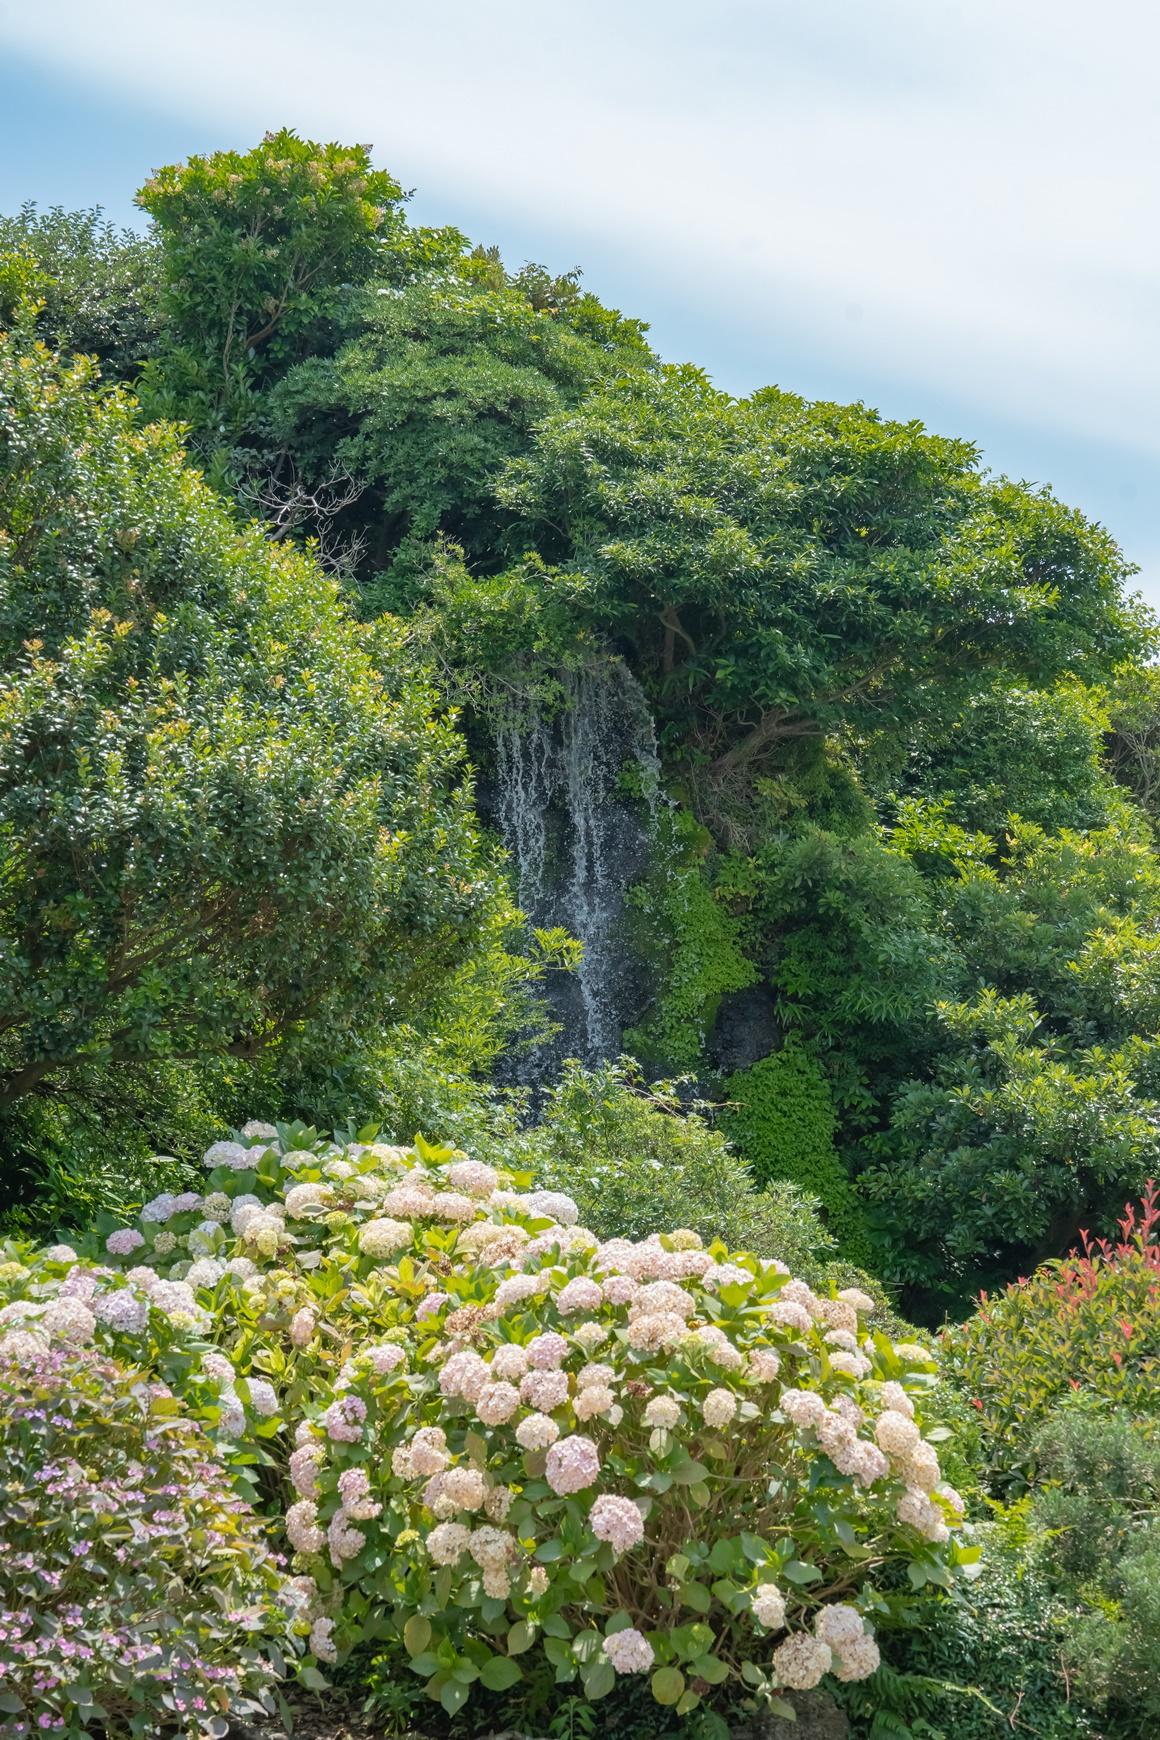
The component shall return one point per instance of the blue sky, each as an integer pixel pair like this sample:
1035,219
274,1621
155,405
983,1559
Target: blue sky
947,208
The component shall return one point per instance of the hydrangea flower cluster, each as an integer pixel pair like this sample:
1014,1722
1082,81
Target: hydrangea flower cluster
636,1456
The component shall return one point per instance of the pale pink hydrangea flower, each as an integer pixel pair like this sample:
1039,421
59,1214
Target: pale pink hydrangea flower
427,1451
464,1374
344,1418
447,1542
790,1315
509,1362
620,1289
617,1521
452,1205
662,1412
596,1399
895,1433
730,1275
322,1640
125,1240
764,1365
920,1466
838,1314
430,1306
857,1660
411,1201
800,1662
691,1265
838,1625
384,1357
490,1547
302,1327
591,1335
498,1502
305,1462
579,1294
263,1397
537,1432
854,1365
473,1177
302,1199
354,1489
383,1237
464,1488
496,1403
662,1297
544,1390
652,1334
553,1205
803,1407
69,1320
515,1290
302,1528
718,1408
858,1299
572,1464
629,1651
124,1311
895,1398
547,1352
769,1606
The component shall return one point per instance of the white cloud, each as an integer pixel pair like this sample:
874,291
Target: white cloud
976,182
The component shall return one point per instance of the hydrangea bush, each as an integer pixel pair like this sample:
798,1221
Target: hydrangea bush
136,1587
500,1434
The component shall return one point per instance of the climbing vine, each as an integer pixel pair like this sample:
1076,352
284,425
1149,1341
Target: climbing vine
781,1118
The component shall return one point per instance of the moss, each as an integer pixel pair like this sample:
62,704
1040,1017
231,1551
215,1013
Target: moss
782,1120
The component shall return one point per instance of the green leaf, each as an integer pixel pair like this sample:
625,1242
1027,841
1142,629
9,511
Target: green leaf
667,1685
500,1673
598,1679
799,1571
520,1638
453,1694
416,1634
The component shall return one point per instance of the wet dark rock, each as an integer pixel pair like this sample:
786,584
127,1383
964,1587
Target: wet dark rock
746,1029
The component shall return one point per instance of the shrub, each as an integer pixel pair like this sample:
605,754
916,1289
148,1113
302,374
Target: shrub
635,1164
984,1664
256,832
354,1290
783,1122
135,1585
1090,1322
1096,1521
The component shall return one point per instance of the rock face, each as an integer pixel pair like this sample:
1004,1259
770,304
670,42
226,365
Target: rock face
575,798
746,1029
818,1718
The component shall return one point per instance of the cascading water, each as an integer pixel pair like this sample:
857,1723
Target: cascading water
579,838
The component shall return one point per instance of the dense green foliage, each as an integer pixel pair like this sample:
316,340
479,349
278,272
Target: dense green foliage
96,289
895,914
783,1122
230,818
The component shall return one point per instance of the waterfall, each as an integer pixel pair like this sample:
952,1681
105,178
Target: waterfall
578,837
